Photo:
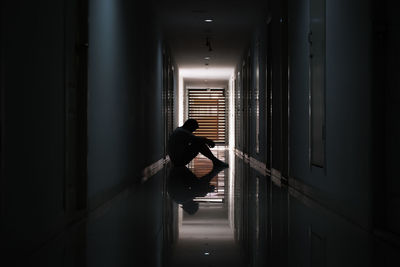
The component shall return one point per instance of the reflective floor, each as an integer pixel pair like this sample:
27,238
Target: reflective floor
144,224
238,216
206,237
150,225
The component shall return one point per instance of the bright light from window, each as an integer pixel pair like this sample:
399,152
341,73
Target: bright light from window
199,73
210,73
180,99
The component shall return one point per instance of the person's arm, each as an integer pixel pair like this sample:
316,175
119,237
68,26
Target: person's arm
206,141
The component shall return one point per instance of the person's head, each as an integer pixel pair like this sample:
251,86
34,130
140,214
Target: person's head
191,125
191,207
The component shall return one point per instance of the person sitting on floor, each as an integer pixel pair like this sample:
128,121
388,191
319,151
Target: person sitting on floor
183,146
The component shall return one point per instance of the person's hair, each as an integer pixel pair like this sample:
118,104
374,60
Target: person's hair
191,125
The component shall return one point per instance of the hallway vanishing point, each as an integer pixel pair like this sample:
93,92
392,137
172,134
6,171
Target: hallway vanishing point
301,96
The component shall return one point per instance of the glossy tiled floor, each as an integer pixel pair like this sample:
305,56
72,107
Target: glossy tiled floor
245,218
206,238
142,226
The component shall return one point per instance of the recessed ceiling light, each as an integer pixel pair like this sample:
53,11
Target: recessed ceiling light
207,58
208,20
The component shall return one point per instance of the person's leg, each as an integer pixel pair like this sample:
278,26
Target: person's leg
203,148
190,153
195,148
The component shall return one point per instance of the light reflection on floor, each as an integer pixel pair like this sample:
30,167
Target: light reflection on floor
201,165
206,238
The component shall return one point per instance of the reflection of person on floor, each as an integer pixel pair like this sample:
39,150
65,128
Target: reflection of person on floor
183,145
183,186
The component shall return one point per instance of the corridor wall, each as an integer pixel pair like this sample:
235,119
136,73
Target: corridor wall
125,133
326,214
36,64
81,118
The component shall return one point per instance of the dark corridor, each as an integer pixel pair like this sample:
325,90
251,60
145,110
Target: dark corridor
90,91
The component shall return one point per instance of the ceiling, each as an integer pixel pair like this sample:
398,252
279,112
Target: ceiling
229,33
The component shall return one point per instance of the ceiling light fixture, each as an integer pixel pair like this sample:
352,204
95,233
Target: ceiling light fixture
207,58
208,20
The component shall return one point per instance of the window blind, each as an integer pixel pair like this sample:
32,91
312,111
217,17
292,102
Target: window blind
207,106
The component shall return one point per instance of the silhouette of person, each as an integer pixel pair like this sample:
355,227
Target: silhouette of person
183,145
183,186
